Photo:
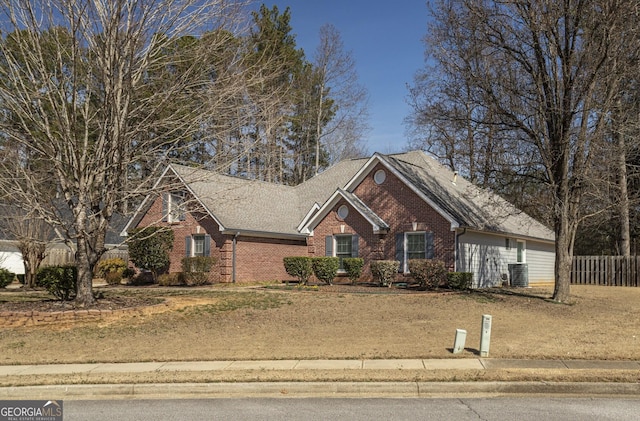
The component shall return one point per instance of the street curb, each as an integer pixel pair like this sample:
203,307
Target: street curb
317,389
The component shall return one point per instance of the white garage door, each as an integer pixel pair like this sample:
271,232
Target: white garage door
12,260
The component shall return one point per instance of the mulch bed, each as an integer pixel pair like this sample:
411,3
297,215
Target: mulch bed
111,303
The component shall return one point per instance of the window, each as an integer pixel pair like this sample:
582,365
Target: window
521,255
343,212
507,243
341,246
416,246
173,207
197,245
379,176
413,245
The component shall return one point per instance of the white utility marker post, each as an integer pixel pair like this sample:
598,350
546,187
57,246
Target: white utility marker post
458,344
485,335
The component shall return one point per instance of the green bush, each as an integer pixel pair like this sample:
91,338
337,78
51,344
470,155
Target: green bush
196,269
149,248
128,273
6,277
459,280
112,270
172,279
325,268
113,278
299,267
107,266
384,271
353,266
429,273
60,281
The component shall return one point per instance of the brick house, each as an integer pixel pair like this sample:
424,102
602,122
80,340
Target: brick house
392,207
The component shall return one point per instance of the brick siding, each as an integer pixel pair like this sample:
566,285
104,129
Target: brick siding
399,207
260,259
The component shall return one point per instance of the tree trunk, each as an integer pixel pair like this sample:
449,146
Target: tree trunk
84,286
566,221
623,203
564,257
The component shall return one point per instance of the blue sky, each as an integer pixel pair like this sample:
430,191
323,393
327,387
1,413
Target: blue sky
385,39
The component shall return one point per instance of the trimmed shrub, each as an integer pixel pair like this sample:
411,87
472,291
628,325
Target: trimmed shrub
196,269
384,271
113,278
325,268
111,265
149,248
300,267
429,273
172,279
459,280
60,281
353,266
111,270
6,277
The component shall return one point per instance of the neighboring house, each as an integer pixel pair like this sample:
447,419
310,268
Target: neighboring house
57,251
391,207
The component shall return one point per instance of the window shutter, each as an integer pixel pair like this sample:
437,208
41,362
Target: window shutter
207,245
187,245
180,208
429,246
328,245
400,250
354,245
165,207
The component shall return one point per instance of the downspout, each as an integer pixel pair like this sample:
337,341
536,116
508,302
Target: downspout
457,248
233,257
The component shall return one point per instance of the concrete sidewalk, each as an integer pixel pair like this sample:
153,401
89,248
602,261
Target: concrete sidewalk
300,389
407,364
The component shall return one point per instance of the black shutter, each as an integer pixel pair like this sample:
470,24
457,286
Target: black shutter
400,250
207,245
180,207
187,246
429,246
354,245
165,207
328,245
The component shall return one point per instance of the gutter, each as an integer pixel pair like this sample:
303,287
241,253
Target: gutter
457,246
233,257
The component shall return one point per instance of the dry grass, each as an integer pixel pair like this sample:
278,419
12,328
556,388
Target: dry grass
220,324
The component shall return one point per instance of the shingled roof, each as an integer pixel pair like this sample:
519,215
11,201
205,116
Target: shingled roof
250,206
466,204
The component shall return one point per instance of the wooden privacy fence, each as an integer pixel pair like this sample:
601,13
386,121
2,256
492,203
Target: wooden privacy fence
606,270
62,256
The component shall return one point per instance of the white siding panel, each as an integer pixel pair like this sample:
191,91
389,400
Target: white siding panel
487,256
541,262
12,260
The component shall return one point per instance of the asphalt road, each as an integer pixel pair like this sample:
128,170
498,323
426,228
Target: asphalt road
462,409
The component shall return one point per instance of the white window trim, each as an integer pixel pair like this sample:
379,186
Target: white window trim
193,244
335,247
406,248
379,176
174,210
343,212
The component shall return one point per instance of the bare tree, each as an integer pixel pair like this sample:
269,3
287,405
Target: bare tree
337,79
549,71
31,236
80,104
